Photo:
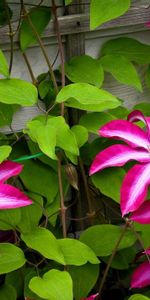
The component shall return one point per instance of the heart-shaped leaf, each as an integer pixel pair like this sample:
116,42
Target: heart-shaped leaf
102,11
11,258
86,97
39,17
54,285
17,91
43,241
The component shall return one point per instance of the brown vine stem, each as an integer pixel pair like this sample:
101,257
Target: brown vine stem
34,81
11,35
27,16
91,213
63,207
61,49
111,259
15,133
140,240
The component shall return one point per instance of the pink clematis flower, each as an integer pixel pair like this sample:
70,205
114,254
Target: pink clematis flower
142,214
141,276
11,197
135,184
147,24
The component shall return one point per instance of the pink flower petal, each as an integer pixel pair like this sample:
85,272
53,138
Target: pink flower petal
142,214
147,251
127,132
117,155
134,188
9,169
147,24
136,116
11,197
141,276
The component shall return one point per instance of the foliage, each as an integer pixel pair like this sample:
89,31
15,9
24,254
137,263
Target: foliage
61,231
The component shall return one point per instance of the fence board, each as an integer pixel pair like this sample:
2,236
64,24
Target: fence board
132,21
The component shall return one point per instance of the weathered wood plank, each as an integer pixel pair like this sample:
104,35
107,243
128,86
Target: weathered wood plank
132,21
75,43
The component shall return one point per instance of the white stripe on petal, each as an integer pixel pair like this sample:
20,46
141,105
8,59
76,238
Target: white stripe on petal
117,155
134,188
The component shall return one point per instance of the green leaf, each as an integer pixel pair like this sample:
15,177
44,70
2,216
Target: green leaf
122,259
4,68
4,152
98,238
7,292
86,97
53,210
76,253
44,88
51,133
67,2
3,15
102,11
43,241
132,49
121,69
6,114
85,69
44,135
109,182
144,230
40,179
9,218
34,148
65,138
93,121
16,279
144,107
17,91
27,291
147,77
40,17
30,215
138,297
81,288
81,134
120,112
54,285
11,258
